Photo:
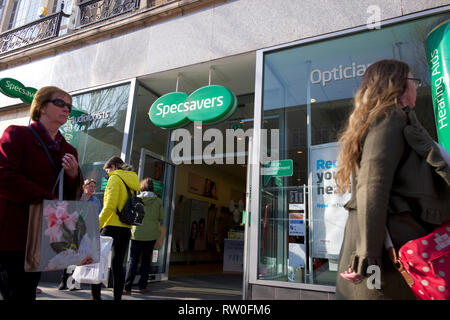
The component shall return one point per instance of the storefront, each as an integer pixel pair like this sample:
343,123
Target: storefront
294,99
305,89
199,191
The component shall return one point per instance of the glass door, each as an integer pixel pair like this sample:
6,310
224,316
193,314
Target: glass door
162,172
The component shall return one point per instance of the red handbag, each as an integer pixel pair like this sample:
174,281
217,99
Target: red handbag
425,263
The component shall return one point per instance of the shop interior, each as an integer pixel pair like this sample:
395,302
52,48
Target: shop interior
207,234
207,229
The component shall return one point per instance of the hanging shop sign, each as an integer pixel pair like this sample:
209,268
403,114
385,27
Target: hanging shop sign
209,105
438,53
15,89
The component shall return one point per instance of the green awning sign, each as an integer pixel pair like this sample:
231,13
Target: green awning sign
438,54
15,89
209,105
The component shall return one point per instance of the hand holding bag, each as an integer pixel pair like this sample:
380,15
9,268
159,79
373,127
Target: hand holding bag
62,233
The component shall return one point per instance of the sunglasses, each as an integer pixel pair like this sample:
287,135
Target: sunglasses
60,103
417,82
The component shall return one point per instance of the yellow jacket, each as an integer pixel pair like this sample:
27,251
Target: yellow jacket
116,196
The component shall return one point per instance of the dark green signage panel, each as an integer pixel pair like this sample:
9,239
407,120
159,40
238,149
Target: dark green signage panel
438,52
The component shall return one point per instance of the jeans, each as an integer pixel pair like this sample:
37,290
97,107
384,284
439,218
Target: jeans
140,250
121,239
15,283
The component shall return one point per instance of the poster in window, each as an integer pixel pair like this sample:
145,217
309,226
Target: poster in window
327,205
297,224
198,224
297,255
202,186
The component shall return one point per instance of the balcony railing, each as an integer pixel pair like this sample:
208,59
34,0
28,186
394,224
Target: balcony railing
90,12
31,33
98,10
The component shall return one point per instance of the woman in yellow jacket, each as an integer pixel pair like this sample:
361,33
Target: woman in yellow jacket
116,196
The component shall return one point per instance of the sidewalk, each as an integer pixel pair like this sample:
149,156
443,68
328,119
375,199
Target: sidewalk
200,287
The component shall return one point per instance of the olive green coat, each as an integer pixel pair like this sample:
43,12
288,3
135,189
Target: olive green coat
399,184
154,216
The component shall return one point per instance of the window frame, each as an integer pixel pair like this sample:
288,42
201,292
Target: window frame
253,264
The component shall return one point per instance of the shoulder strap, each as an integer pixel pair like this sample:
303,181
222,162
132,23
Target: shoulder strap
126,186
128,189
45,149
392,253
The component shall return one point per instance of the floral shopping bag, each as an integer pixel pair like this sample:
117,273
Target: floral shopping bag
62,233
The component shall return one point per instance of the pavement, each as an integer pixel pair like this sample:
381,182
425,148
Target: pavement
195,287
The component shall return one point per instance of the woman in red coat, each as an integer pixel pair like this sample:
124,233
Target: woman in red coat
27,176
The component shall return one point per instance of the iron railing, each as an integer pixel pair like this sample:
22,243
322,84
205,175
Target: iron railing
31,33
91,11
98,10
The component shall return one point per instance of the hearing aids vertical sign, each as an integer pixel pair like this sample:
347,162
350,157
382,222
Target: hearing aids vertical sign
438,54
327,205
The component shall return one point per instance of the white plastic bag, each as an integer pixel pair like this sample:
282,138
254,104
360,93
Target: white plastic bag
97,272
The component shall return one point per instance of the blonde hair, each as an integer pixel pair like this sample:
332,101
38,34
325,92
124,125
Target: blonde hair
88,181
42,96
384,83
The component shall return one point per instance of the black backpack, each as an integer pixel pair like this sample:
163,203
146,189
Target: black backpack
133,211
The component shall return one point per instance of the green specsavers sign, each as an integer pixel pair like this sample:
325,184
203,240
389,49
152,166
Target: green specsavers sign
15,89
438,54
209,105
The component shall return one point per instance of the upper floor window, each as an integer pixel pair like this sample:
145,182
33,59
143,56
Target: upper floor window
67,6
2,5
23,12
67,9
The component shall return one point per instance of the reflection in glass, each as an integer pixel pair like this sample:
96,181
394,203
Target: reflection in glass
95,128
146,134
315,83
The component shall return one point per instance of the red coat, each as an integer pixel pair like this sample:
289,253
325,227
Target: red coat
27,176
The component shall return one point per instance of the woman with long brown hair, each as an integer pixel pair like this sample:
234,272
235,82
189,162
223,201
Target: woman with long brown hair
387,159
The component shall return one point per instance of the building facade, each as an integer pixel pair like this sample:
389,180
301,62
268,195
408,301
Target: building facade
293,67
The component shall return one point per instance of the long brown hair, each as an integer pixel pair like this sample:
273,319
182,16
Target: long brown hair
383,84
147,185
118,163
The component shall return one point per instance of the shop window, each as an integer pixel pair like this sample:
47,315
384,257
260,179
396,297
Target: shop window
301,216
146,134
95,128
